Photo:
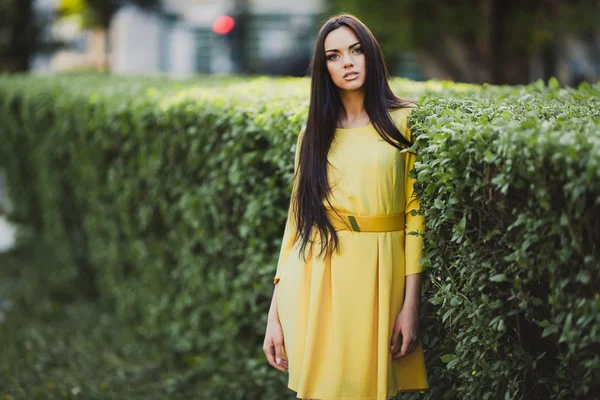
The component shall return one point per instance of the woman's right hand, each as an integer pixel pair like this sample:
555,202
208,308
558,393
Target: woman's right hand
274,346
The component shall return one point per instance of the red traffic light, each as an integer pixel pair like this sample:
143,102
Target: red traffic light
223,24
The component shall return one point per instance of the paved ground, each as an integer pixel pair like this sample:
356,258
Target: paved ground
7,234
2,192
7,231
2,189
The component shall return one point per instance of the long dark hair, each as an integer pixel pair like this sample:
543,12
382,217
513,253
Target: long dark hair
324,111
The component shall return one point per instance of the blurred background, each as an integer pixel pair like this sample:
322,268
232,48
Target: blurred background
145,214
476,41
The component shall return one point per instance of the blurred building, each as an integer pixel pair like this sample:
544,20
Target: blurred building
274,37
66,46
180,38
216,36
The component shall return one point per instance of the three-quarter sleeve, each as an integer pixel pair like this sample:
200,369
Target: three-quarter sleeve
289,232
413,244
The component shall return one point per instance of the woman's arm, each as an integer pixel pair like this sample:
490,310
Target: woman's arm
412,294
274,346
405,336
273,314
289,233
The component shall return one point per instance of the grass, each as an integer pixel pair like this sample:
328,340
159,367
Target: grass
57,346
57,343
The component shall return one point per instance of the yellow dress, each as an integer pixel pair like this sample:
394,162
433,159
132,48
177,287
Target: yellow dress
337,312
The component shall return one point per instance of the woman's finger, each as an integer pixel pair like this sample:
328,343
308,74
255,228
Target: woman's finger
269,350
279,360
399,346
394,343
413,345
410,347
404,348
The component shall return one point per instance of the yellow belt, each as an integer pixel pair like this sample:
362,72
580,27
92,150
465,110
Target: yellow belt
361,223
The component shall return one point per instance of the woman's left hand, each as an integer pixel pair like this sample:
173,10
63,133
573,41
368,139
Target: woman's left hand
405,335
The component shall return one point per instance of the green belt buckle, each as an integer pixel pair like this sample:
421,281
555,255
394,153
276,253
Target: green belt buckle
353,223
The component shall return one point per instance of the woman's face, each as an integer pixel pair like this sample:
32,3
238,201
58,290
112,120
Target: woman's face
345,59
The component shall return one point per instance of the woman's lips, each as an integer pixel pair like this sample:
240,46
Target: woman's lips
351,77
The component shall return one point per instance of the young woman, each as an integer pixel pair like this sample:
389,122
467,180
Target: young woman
344,318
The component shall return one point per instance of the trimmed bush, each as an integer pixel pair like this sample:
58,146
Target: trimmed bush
510,184
167,199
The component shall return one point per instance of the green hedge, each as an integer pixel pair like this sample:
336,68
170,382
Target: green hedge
511,185
166,199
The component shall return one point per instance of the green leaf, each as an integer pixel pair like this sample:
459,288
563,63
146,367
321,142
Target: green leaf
452,363
447,314
549,330
485,298
583,277
436,300
456,300
501,326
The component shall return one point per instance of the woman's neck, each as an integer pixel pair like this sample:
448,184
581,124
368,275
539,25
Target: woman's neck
353,107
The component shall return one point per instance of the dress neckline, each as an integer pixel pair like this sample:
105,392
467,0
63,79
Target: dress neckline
354,129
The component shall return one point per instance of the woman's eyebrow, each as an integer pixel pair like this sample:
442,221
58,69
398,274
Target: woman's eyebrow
349,47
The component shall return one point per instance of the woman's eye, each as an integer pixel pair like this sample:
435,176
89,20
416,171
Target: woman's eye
331,57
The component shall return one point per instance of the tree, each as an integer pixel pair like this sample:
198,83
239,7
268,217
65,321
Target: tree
19,34
20,28
98,13
475,40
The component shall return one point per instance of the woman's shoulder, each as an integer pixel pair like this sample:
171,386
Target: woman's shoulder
400,118
301,134
405,109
